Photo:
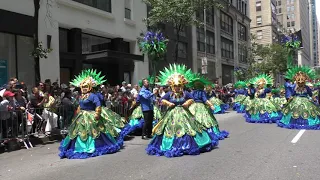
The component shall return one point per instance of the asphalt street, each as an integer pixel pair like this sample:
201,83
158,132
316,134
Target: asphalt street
252,152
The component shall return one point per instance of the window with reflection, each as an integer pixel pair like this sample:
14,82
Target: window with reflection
92,43
104,5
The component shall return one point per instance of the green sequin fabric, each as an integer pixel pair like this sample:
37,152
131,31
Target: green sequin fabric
215,101
261,106
113,118
203,115
176,123
246,101
301,107
240,98
279,101
85,125
138,114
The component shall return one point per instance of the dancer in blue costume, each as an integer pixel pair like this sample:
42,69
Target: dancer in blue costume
202,108
301,112
90,133
178,133
219,106
241,95
261,109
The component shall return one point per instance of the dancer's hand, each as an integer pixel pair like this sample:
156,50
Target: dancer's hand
212,108
97,116
171,105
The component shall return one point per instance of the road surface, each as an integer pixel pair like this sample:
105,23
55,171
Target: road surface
252,152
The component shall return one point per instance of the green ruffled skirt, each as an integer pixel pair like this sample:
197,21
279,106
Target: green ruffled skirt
136,120
205,117
178,133
279,102
89,137
219,106
300,113
262,110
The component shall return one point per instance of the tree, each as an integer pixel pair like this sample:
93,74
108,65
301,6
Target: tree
179,13
274,58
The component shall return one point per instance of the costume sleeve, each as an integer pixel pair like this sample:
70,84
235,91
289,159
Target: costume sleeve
95,99
166,97
188,95
267,90
204,97
309,91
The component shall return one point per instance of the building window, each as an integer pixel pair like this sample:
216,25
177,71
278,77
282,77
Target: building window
210,42
182,50
288,24
279,10
226,23
226,48
104,5
259,34
259,20
200,39
127,9
200,15
63,40
279,3
92,43
293,24
242,32
242,53
292,8
258,6
210,16
182,32
288,9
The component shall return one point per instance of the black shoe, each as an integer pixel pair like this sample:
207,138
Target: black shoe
149,136
144,137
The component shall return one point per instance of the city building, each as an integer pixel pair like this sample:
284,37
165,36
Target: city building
100,34
223,40
315,35
295,15
264,24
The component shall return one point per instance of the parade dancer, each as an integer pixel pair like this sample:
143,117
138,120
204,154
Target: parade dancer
276,98
300,112
178,133
219,106
202,108
261,109
90,134
241,93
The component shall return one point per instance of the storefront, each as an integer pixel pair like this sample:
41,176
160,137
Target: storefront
16,45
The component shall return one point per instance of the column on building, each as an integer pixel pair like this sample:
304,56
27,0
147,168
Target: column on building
236,44
141,69
218,45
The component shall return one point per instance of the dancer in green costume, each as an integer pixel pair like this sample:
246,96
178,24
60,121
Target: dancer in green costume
301,112
202,108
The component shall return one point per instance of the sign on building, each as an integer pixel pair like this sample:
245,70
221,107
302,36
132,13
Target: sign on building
204,65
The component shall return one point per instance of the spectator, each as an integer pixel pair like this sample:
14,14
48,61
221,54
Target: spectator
4,117
49,113
36,105
67,110
134,91
124,86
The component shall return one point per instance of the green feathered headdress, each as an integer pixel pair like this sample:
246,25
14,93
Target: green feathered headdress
262,78
176,74
198,81
305,70
317,84
275,91
89,75
240,84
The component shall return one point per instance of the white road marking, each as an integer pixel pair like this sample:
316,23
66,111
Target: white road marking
298,136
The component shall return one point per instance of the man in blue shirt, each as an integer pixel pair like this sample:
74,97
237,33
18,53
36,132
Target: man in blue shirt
146,98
